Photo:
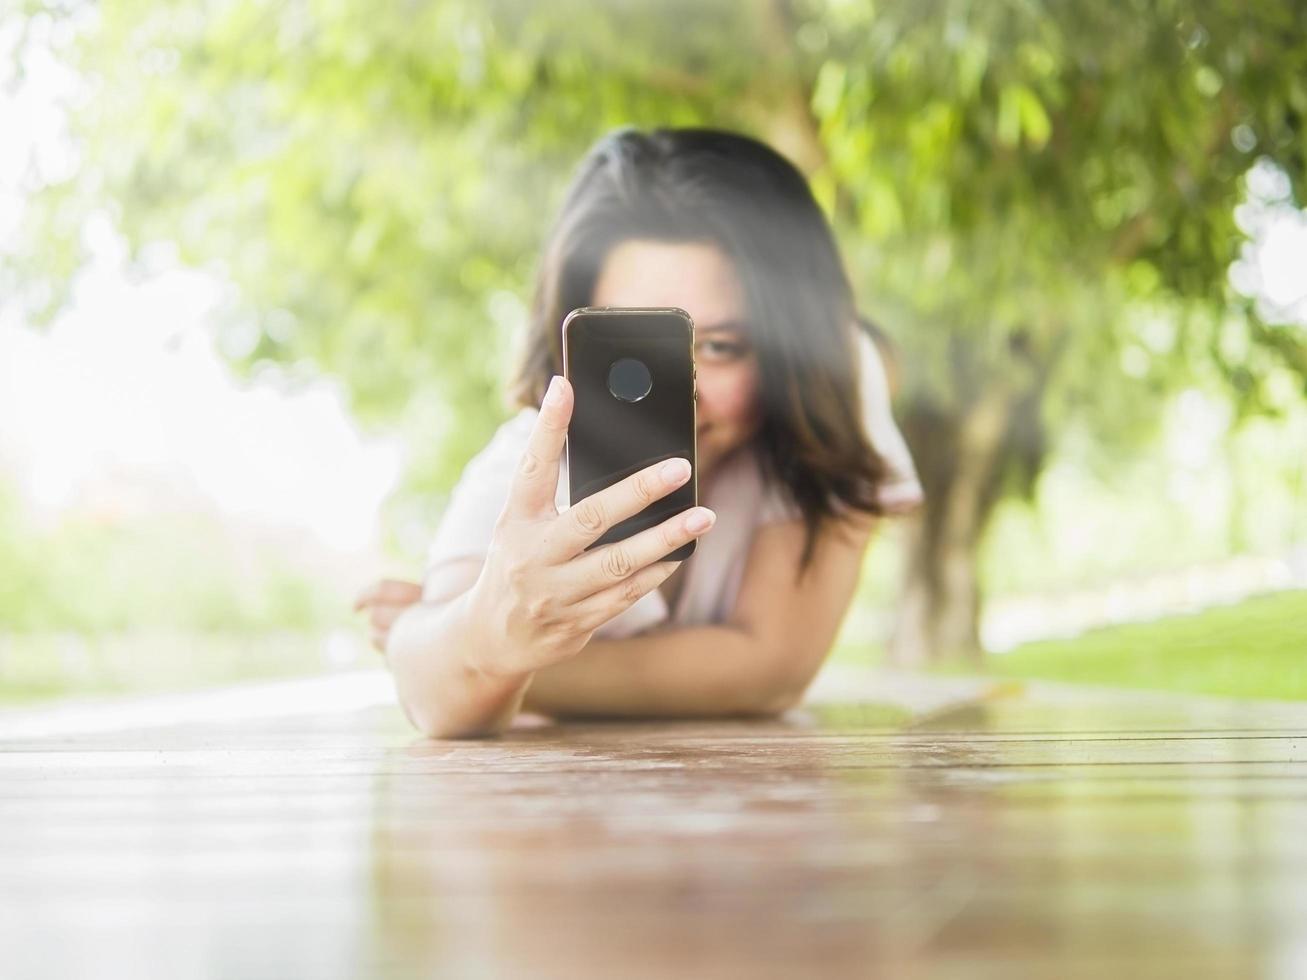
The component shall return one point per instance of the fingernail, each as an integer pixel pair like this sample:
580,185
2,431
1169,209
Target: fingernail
675,470
700,519
555,393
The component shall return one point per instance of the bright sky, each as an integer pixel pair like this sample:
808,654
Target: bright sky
128,384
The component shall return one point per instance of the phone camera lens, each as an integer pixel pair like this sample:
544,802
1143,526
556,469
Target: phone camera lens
629,379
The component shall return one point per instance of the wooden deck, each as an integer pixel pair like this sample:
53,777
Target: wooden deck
968,833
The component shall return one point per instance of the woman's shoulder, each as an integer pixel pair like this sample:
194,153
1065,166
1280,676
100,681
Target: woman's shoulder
516,428
477,498
505,445
900,490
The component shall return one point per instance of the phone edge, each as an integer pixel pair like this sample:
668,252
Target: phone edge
694,403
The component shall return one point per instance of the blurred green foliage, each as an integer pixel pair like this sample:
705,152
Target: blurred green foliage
1242,494
1037,200
182,572
377,180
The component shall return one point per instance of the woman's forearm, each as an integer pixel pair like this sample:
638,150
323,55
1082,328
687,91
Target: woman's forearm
695,671
440,691
689,671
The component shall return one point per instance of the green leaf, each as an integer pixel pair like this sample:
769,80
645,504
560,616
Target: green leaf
1034,120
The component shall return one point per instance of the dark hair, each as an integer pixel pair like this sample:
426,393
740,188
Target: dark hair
703,185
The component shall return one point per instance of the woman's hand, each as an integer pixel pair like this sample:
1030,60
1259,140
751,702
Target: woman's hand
540,590
384,601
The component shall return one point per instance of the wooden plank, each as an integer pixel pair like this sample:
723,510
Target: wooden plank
1036,833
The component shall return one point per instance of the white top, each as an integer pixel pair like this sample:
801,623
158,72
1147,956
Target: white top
734,491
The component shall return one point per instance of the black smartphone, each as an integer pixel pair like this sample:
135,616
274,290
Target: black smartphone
633,381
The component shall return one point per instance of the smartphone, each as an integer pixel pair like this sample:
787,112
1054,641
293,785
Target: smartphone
633,380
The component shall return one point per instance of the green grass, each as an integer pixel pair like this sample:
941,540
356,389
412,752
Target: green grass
1255,649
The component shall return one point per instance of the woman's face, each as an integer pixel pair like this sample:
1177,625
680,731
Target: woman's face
700,279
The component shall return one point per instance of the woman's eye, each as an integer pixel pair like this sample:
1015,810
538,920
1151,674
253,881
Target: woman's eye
720,348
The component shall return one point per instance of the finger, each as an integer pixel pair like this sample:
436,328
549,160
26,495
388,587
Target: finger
383,617
599,608
367,596
389,590
536,481
400,592
379,637
604,567
586,521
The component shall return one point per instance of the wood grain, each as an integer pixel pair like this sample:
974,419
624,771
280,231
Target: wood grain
1049,836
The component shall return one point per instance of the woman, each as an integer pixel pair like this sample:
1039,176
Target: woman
797,456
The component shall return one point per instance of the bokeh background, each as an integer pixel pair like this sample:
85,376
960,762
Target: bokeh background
263,266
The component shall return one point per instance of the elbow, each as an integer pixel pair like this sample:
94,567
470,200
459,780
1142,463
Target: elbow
779,694
786,684
438,725
441,730
785,699
428,697
782,682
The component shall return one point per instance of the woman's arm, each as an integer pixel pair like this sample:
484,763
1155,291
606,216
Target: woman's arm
686,672
424,643
759,662
461,667
440,690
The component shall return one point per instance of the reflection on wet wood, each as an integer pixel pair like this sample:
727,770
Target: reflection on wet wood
1000,838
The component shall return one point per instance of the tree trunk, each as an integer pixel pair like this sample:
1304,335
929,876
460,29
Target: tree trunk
960,458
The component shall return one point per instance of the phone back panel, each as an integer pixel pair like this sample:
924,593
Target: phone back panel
611,436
